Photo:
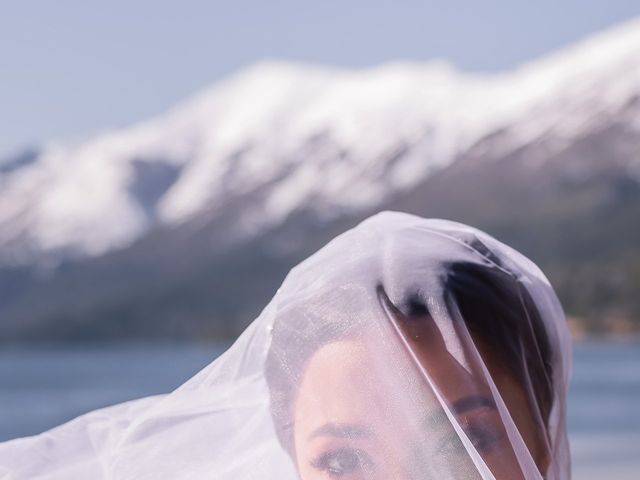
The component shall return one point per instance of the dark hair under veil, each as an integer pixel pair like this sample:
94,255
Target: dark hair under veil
494,305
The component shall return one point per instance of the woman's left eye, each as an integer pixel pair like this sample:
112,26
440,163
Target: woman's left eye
343,461
482,439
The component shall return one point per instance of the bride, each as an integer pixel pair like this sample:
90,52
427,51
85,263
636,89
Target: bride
406,348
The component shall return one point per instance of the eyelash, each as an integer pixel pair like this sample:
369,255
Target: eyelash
358,459
482,439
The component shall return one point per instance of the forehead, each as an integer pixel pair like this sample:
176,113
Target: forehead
336,388
357,380
335,370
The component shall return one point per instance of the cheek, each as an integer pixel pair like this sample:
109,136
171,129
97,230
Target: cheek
520,409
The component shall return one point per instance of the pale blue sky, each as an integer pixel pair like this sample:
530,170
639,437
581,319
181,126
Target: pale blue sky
72,67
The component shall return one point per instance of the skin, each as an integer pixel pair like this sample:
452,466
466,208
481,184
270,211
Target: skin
366,409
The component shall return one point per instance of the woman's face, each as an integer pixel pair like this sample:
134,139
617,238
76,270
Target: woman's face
365,410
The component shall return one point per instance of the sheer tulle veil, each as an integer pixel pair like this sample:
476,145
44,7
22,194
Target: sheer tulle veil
406,348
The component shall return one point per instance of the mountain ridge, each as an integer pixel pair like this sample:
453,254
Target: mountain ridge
183,226
379,130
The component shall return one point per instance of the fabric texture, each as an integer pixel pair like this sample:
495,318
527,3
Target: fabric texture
406,348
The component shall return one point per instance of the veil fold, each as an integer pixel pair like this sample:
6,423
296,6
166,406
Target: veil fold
406,348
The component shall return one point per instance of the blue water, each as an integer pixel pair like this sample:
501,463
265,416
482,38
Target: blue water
604,411
43,387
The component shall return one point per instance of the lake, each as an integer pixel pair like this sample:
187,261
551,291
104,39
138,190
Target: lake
43,387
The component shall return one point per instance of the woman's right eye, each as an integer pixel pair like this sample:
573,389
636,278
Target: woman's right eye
343,461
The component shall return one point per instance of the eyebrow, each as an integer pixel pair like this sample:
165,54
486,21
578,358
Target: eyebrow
341,430
352,430
471,402
462,405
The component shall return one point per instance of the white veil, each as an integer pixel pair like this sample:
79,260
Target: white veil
406,348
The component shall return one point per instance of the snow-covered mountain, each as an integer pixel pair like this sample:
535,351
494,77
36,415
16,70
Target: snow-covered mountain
278,137
184,225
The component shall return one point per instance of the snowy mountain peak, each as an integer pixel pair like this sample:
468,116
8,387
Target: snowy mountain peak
279,136
619,43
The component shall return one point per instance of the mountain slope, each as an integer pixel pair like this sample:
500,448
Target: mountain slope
332,140
185,225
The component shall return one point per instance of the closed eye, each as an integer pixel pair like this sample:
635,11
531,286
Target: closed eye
342,461
482,435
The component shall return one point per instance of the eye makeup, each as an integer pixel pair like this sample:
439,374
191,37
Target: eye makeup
343,461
